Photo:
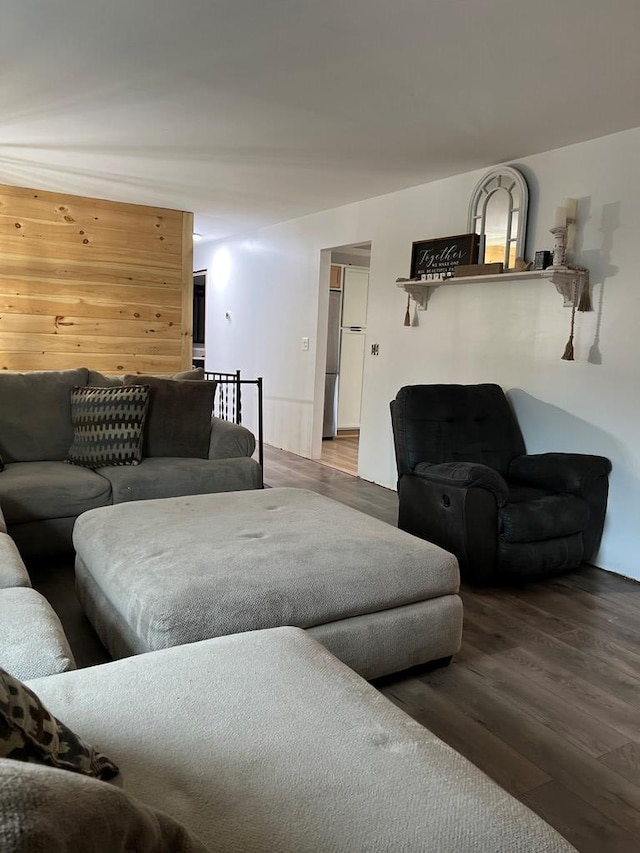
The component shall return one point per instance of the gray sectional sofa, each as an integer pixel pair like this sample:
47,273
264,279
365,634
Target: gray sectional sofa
41,496
265,742
260,741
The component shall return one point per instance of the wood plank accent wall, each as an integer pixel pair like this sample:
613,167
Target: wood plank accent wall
91,283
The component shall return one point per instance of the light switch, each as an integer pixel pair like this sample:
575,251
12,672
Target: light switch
304,343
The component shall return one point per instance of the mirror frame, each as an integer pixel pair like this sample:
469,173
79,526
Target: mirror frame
508,177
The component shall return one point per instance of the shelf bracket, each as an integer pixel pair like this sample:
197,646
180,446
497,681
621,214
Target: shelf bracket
417,291
572,283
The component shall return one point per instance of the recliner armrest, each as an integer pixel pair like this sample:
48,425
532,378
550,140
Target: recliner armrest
228,440
464,475
574,473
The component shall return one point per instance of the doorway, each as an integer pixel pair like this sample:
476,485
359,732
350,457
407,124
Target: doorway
199,314
346,341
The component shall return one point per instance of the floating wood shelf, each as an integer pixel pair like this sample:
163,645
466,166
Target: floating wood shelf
569,282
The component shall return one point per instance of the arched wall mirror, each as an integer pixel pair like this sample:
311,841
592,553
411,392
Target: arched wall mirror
498,213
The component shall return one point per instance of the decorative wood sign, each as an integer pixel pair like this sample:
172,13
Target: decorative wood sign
438,258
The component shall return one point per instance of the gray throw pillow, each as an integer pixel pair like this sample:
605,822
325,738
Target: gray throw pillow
102,380
35,421
28,732
44,810
179,419
108,425
195,374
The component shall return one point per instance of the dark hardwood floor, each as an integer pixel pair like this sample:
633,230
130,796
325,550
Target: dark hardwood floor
287,469
544,695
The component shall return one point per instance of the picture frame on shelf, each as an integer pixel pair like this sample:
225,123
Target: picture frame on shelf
438,258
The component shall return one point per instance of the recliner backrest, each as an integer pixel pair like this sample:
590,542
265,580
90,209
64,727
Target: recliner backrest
454,423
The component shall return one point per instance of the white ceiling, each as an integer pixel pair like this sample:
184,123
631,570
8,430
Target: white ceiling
250,112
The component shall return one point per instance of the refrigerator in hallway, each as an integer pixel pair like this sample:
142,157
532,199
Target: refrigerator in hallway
352,345
353,324
330,420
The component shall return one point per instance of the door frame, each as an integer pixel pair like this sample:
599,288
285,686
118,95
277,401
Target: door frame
321,338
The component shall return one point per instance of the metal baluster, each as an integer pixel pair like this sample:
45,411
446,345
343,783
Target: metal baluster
228,403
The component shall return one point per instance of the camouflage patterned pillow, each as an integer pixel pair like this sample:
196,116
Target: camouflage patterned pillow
44,810
28,732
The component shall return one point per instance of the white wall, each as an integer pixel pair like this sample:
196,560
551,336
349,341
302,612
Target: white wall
512,334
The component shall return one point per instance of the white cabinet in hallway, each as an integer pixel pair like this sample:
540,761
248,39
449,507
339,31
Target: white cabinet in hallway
354,299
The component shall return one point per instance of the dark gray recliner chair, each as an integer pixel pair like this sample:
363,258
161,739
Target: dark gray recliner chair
466,483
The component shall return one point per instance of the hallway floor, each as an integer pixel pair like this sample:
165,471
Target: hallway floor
341,452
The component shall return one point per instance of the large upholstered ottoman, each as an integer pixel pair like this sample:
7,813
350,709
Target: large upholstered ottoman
160,573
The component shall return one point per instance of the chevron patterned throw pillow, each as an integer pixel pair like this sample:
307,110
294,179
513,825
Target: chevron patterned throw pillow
108,425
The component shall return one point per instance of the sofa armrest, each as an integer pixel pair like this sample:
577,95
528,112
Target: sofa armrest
464,475
33,643
12,569
456,506
228,440
574,473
